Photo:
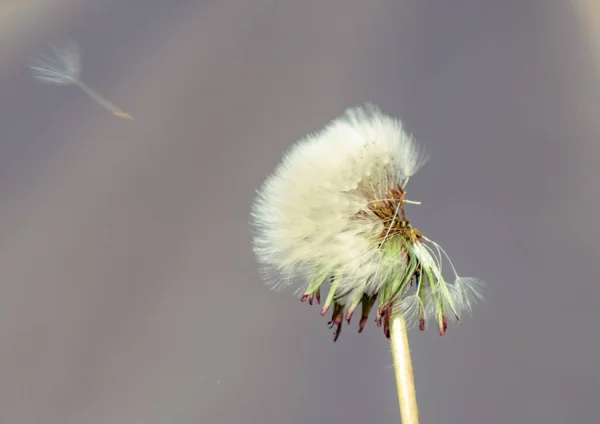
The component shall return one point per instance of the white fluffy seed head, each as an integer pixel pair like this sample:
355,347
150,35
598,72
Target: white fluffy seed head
333,210
305,215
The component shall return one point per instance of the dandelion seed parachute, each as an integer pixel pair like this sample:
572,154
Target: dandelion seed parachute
333,211
62,66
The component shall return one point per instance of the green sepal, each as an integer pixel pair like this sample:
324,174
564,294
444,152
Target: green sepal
367,304
448,298
354,304
395,288
432,287
330,295
316,283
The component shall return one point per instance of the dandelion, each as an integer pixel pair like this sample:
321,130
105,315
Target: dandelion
333,212
62,66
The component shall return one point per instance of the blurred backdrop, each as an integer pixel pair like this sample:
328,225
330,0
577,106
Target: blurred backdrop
129,292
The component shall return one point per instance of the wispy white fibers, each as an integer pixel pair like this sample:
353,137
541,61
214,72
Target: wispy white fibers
333,211
62,66
307,208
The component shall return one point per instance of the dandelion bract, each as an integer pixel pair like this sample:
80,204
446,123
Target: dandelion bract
334,211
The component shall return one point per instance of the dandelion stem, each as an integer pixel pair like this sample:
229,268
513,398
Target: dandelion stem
405,382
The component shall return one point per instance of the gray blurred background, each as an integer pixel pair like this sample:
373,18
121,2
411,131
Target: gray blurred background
129,291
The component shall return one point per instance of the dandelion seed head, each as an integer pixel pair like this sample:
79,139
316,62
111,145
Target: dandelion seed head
333,211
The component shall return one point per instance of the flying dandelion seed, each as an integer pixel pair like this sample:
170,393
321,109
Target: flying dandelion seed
334,211
62,66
